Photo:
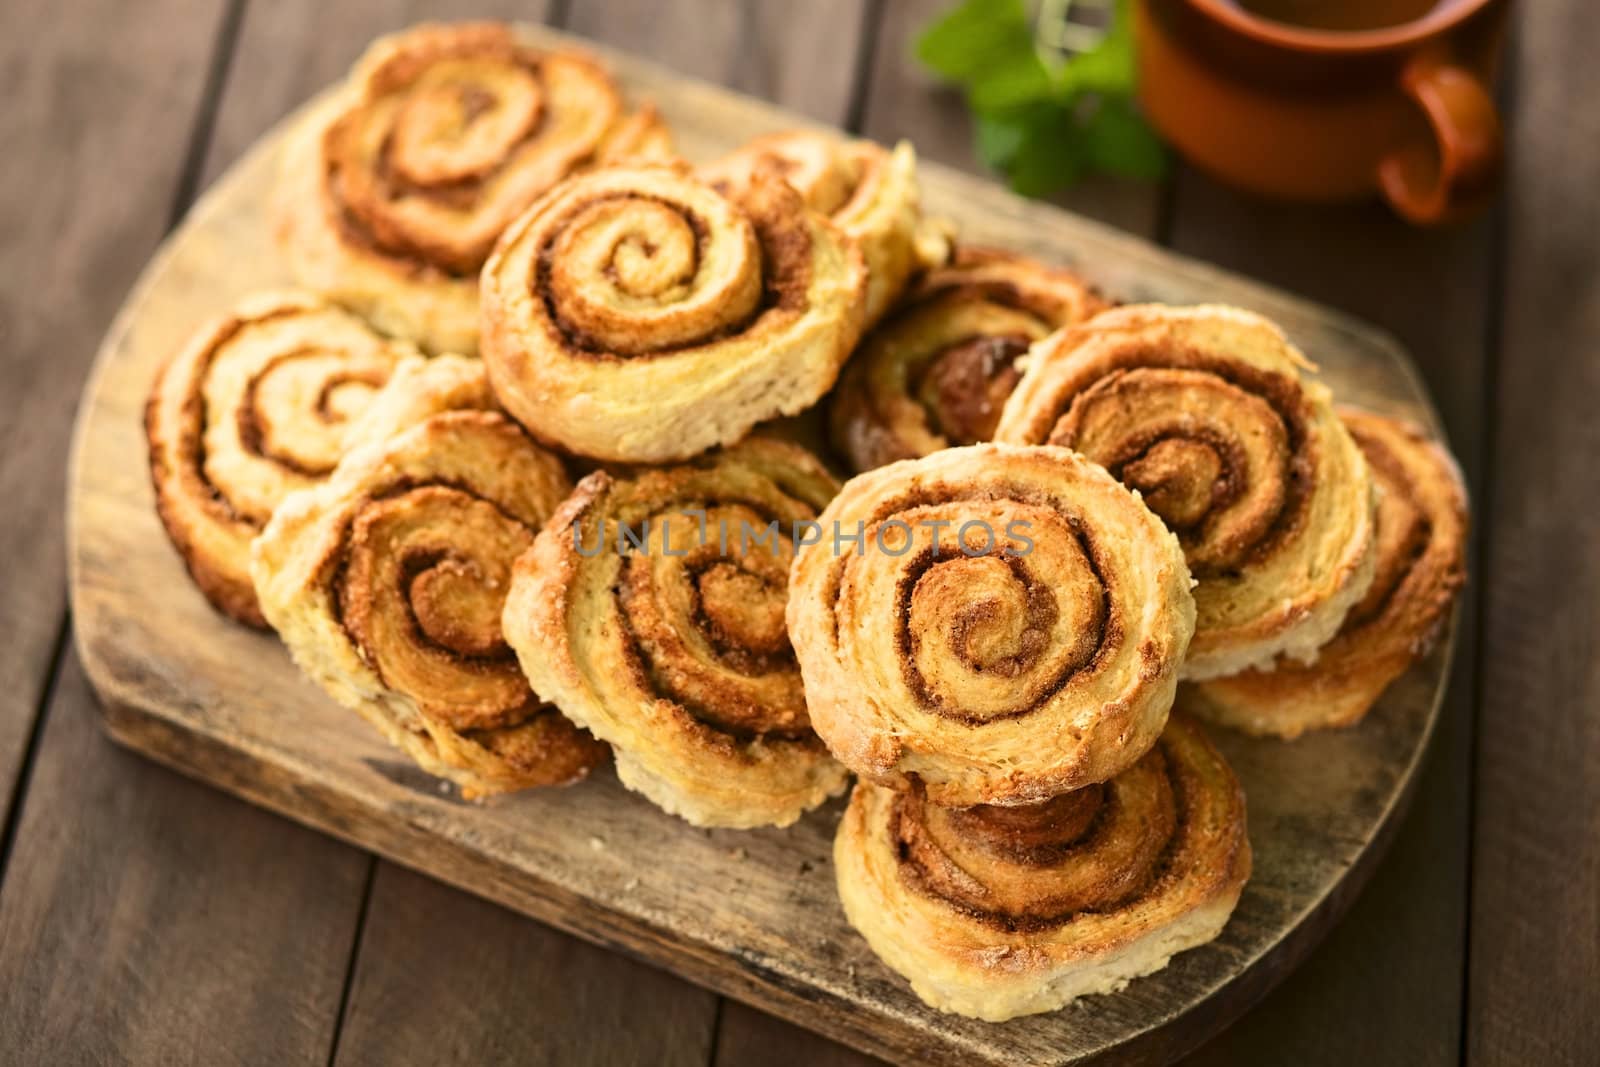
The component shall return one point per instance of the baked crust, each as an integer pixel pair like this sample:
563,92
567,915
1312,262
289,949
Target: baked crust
676,654
937,372
418,389
1206,411
394,191
259,403
869,191
1421,565
1028,646
636,314
386,584
1000,912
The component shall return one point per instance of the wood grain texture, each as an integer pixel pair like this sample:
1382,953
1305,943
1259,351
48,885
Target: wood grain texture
1535,942
805,57
898,99
100,98
746,1035
802,56
443,978
753,915
148,919
1395,964
440,976
324,40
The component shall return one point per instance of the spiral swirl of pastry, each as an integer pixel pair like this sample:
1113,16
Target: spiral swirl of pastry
1206,413
387,582
636,314
1421,565
1000,912
938,371
868,191
671,645
396,191
1009,625
258,404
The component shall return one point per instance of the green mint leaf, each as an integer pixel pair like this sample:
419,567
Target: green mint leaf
1034,147
997,139
1109,68
1043,124
1021,80
1116,140
976,39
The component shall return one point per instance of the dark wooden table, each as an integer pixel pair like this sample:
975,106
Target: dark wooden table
145,918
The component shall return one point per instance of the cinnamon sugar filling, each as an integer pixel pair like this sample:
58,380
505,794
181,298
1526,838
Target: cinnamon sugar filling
1195,468
1036,867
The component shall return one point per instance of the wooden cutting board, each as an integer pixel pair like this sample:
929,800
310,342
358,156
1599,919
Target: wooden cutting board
749,914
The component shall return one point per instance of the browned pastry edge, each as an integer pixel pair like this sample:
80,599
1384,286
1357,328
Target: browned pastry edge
1421,535
996,913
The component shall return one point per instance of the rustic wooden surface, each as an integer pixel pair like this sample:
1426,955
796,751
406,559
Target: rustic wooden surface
224,704
1535,950
110,115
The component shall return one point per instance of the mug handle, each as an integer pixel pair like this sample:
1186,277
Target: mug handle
1455,171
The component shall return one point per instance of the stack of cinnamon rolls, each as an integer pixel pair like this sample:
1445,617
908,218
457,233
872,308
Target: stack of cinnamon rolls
504,477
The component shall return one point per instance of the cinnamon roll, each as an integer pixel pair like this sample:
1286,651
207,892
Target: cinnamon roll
1207,413
258,404
938,371
386,583
1000,912
636,314
419,389
1001,624
869,191
395,190
651,610
1421,564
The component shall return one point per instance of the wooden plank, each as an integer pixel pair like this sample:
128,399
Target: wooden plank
138,909
747,1035
1535,950
1395,964
100,100
904,100
324,40
148,919
439,975
805,57
442,977
1311,251
899,100
802,56
226,704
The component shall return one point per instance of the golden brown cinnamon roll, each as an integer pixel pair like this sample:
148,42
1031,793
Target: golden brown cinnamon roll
999,912
395,190
387,582
651,610
636,314
869,191
258,404
1206,412
1421,564
938,371
420,388
1008,626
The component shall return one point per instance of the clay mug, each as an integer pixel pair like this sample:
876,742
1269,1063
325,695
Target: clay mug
1325,114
